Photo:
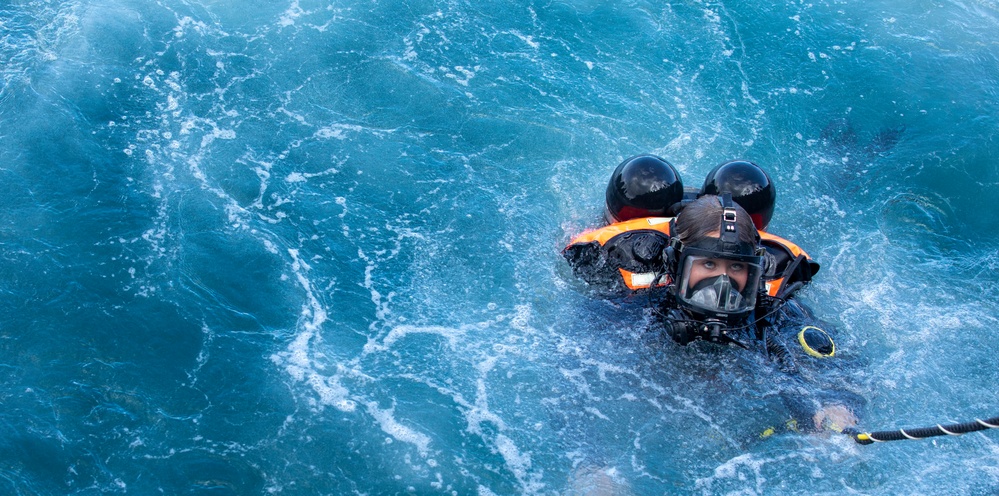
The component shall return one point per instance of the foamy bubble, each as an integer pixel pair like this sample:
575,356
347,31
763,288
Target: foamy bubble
399,432
332,393
451,334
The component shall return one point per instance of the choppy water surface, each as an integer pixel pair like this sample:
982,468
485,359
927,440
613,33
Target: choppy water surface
304,247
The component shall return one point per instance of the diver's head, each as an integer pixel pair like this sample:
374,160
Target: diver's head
749,185
642,186
718,260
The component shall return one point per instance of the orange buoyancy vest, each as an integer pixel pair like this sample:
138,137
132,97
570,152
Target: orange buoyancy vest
641,274
636,273
798,266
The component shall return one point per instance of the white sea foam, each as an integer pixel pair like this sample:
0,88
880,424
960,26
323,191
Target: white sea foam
299,359
289,16
737,468
388,423
453,335
516,460
466,73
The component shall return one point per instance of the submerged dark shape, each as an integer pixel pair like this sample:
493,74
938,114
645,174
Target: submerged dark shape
885,140
842,140
855,155
839,136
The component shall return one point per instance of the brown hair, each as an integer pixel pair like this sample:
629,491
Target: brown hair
702,219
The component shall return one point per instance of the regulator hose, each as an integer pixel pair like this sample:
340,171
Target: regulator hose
780,354
922,432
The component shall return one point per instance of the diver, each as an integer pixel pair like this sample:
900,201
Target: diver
719,276
716,263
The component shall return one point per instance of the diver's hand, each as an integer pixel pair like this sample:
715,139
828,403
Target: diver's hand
834,418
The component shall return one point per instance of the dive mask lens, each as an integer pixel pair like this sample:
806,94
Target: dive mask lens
719,286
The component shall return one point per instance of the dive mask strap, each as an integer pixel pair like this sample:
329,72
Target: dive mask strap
727,231
671,254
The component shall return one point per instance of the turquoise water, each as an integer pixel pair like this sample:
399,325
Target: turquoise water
302,247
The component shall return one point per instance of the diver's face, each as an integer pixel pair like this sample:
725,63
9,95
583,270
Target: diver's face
737,272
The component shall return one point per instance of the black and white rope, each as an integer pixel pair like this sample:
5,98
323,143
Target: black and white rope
923,432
